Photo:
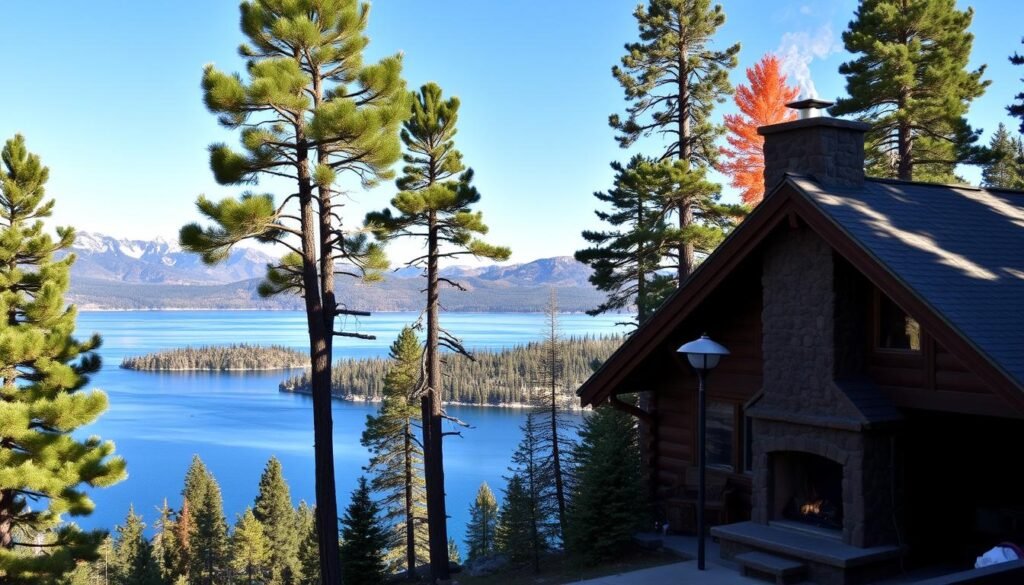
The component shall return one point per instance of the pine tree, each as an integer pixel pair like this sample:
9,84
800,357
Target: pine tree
1005,170
435,199
626,259
309,555
273,509
166,549
184,527
608,499
43,370
532,465
514,535
909,81
208,537
251,551
453,551
1017,109
310,112
396,461
483,523
364,540
673,79
762,103
133,562
553,429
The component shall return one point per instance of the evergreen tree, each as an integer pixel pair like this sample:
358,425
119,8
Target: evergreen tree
364,540
43,370
909,81
532,464
1017,109
396,461
310,112
483,523
515,526
435,199
208,537
309,555
273,509
453,551
133,562
608,499
761,104
1005,170
553,428
672,79
183,529
165,545
251,551
626,258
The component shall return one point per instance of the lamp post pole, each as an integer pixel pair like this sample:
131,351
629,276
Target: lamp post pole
702,464
703,355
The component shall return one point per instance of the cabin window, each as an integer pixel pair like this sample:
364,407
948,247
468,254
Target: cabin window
721,427
896,330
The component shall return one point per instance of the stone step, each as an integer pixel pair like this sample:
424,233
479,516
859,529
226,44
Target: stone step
785,571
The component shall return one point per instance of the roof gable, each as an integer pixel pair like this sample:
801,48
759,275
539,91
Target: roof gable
848,227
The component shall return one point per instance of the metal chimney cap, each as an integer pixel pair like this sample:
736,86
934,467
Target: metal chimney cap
809,103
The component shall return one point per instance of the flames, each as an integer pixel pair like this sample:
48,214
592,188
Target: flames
811,508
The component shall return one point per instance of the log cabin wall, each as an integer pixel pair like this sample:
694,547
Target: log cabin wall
732,317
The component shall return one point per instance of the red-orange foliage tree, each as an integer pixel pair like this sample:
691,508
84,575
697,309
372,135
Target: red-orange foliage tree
761,103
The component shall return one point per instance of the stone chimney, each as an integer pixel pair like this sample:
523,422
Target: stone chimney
828,149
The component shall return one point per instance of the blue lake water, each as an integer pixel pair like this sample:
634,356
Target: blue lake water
236,421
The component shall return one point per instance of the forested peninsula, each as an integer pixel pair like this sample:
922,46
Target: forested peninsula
240,356
493,378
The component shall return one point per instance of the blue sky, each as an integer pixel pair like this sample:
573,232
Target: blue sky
108,94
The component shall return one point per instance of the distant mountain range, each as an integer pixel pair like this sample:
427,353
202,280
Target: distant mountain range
112,273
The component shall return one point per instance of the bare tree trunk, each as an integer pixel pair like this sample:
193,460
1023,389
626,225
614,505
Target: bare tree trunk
685,154
320,382
433,456
555,455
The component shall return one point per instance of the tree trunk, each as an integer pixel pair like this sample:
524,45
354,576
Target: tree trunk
685,154
555,456
905,164
410,516
686,246
433,456
320,383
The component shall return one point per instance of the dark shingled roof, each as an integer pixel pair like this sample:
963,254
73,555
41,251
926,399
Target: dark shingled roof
960,249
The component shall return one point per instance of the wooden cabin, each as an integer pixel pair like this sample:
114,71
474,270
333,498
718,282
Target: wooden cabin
870,417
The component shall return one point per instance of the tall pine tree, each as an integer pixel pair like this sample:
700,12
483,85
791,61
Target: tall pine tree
133,562
483,523
1005,170
627,257
273,509
43,372
251,551
910,81
1017,109
166,549
310,112
435,203
762,103
672,80
515,533
364,540
532,466
208,537
396,458
609,497
309,555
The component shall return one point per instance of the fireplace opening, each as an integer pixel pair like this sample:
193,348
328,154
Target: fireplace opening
808,489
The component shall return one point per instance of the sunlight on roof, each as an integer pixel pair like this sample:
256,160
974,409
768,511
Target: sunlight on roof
922,242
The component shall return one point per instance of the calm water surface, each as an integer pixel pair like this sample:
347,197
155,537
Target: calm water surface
236,421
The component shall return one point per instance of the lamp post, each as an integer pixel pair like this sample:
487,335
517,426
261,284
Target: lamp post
703,354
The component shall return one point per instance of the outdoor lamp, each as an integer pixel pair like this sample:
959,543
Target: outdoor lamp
703,354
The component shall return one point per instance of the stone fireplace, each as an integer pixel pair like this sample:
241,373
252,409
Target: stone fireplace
807,489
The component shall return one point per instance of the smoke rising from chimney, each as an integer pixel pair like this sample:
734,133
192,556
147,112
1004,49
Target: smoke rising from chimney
798,49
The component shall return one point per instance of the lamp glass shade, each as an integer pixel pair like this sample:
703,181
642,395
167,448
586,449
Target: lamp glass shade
703,353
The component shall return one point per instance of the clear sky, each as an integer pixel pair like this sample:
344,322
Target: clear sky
107,92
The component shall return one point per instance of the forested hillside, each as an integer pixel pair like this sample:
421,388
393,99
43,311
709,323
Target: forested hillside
493,378
241,356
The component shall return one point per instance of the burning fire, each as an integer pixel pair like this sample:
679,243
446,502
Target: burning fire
811,508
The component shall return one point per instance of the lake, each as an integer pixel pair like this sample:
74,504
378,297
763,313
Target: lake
236,421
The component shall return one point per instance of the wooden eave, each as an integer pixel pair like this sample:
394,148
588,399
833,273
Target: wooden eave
786,202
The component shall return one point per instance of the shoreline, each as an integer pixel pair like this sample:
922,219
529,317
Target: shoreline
352,398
